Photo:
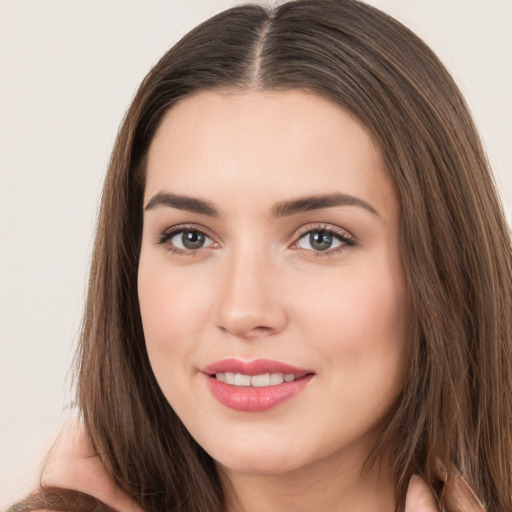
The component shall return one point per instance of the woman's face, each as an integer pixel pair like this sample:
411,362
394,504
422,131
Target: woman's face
270,282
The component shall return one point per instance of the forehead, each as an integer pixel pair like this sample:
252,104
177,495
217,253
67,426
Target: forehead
275,144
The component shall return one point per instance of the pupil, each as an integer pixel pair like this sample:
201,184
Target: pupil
192,239
320,241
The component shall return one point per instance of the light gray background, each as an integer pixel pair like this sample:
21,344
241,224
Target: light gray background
68,70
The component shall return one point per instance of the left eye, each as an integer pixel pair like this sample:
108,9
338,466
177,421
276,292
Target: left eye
321,241
190,240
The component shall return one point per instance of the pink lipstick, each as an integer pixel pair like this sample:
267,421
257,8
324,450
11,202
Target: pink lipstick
256,385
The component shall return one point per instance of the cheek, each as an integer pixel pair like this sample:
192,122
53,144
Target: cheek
172,305
169,311
363,302
173,309
361,335
360,323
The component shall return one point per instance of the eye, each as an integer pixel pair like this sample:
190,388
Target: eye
324,240
185,240
190,240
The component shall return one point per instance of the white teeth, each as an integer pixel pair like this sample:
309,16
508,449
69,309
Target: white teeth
276,378
257,381
242,380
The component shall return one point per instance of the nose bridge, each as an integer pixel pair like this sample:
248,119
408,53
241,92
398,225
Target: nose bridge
249,301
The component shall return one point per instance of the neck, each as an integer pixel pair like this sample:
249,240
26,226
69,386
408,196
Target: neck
318,486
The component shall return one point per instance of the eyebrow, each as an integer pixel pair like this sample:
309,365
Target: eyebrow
281,209
190,204
317,202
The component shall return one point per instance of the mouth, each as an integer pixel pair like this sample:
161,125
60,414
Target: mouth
253,386
255,381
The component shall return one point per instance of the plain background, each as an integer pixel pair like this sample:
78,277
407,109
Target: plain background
68,70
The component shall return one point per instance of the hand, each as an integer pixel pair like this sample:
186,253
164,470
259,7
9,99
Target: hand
458,494
419,497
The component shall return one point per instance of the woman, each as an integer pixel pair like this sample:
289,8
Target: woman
299,295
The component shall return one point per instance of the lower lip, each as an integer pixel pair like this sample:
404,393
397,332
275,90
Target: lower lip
253,399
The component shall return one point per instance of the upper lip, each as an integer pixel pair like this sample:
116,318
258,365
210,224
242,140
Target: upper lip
254,367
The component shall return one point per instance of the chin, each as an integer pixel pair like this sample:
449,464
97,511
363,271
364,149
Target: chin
258,460
270,466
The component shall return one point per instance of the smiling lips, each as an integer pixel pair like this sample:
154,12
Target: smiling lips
256,385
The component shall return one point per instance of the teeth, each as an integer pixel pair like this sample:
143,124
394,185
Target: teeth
242,380
257,381
276,378
260,380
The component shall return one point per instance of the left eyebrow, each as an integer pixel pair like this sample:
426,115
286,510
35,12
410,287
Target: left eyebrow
316,202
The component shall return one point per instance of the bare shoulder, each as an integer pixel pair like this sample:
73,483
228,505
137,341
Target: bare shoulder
73,465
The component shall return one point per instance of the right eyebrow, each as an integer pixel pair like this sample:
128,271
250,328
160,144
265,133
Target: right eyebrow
180,202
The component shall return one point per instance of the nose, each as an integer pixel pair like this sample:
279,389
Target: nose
250,303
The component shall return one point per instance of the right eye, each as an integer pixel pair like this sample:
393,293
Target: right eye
190,240
185,240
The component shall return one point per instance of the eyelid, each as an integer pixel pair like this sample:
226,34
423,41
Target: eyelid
323,226
341,233
164,236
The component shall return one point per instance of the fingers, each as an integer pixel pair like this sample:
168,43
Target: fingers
419,498
458,495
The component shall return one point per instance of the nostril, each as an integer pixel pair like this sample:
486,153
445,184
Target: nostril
251,332
260,331
262,328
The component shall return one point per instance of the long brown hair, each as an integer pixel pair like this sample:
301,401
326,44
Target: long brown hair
456,405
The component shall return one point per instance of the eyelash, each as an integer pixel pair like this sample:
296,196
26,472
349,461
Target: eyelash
343,236
169,233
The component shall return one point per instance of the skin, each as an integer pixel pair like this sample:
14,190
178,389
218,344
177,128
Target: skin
72,464
258,289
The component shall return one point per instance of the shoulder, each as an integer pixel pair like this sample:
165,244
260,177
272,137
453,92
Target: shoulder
62,500
73,466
